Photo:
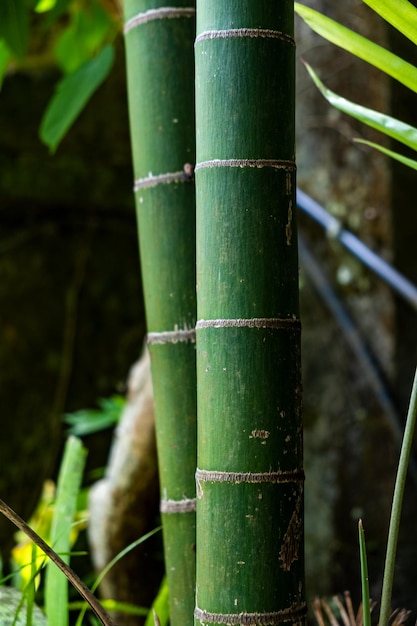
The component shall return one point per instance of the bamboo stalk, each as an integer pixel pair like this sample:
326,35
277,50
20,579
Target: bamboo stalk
249,476
160,68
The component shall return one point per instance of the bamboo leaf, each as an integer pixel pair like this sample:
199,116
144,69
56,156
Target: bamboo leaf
372,53
401,14
160,606
71,95
113,562
45,5
388,125
14,25
85,35
394,155
366,605
396,508
69,481
5,55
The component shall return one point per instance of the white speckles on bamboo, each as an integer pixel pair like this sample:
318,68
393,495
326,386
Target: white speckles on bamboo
280,476
182,176
171,336
259,434
291,541
288,184
187,505
288,227
294,614
199,489
254,322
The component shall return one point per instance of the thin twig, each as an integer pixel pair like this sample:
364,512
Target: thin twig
69,573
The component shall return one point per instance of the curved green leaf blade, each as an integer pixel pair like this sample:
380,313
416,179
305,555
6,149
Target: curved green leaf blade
386,124
87,33
366,605
14,25
394,155
71,95
361,47
401,14
69,482
5,55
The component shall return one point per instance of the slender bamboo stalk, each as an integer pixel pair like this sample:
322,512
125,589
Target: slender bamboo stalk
249,476
160,68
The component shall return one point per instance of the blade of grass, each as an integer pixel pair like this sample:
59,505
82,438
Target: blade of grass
69,481
401,14
160,607
364,577
113,562
391,64
397,507
69,573
394,155
112,605
386,124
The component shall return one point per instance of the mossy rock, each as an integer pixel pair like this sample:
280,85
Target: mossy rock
10,600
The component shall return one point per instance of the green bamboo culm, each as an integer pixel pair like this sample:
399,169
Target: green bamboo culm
249,474
160,70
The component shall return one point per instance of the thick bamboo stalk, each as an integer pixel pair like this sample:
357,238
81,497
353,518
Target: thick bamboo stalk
249,476
159,46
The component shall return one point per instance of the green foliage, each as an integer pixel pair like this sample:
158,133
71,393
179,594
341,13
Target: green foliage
363,48
69,482
404,19
14,25
390,126
160,607
88,421
71,95
366,604
87,32
82,51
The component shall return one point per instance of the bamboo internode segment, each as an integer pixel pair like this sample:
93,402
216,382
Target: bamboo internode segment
294,614
158,14
188,505
230,33
294,476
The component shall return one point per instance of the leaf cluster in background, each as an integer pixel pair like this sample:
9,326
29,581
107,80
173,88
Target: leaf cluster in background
404,19
80,34
88,421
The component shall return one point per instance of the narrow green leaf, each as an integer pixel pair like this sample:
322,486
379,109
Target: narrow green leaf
5,55
388,125
391,64
14,25
113,562
45,5
71,95
366,605
160,606
86,34
396,508
401,14
394,155
69,481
